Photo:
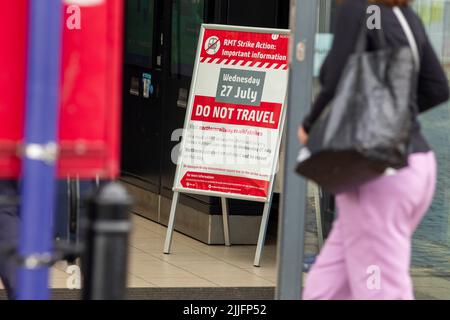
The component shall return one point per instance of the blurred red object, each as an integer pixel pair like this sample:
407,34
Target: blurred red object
91,95
13,38
90,113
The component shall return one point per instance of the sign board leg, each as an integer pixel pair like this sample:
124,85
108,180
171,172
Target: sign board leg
263,231
171,225
226,222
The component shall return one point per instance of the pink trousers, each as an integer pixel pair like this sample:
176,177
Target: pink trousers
368,252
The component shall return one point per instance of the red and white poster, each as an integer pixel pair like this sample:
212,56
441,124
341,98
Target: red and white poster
236,113
89,120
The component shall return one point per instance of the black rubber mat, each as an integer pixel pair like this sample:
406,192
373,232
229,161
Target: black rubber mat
255,293
263,293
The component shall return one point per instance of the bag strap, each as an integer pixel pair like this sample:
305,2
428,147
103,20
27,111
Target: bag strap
409,35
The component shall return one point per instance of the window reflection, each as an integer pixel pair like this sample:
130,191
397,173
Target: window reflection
431,249
139,32
187,17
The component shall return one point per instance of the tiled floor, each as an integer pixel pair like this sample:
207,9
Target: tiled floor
194,264
191,264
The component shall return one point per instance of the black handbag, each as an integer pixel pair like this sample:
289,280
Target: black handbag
366,129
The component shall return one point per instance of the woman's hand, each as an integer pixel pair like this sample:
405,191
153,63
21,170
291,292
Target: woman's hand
302,135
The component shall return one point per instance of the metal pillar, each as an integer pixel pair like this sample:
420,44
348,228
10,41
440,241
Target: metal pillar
38,187
292,222
105,259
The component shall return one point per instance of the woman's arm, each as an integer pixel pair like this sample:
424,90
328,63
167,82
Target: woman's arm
433,87
348,24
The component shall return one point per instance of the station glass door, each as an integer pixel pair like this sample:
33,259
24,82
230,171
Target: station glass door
142,94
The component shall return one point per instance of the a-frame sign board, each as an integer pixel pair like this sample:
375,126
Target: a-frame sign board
234,121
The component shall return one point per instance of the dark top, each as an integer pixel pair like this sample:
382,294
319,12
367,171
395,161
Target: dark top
433,88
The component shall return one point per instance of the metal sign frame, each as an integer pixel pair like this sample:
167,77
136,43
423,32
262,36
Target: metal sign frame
224,196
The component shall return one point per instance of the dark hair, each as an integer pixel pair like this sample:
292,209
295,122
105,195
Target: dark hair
392,3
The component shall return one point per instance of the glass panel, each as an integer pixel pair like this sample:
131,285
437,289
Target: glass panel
325,201
431,250
431,245
140,32
187,17
324,36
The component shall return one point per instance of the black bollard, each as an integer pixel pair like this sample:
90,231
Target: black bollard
105,258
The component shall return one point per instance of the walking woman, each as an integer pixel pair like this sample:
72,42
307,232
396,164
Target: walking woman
368,252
